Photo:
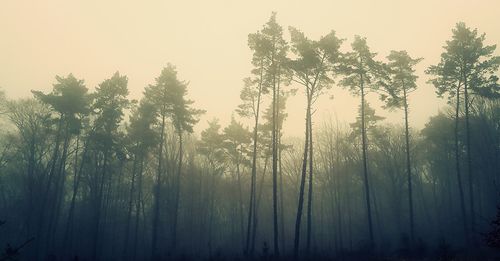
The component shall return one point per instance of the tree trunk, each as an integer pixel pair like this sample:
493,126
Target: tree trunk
177,194
251,206
457,165
282,205
68,238
240,203
138,206
469,162
275,170
129,208
97,208
408,170
365,167
302,182
156,209
310,190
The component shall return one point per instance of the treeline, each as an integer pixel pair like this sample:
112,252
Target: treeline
80,179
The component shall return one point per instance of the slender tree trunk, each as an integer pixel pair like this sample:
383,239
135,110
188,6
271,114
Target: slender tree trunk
251,206
240,204
98,207
469,163
275,170
282,209
129,208
257,204
138,207
408,170
310,190
66,244
177,193
59,193
156,208
457,165
46,194
302,182
365,166
31,185
339,186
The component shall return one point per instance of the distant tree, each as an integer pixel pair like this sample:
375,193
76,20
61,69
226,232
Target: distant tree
268,43
237,140
160,95
467,66
402,82
142,137
312,68
211,148
32,121
110,101
68,99
362,74
184,117
251,97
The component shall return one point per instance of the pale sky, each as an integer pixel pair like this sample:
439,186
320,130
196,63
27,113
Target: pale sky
207,41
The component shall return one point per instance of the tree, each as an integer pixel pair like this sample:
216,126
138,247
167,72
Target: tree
251,96
160,95
142,137
236,144
362,73
314,61
273,48
211,148
467,66
68,99
184,117
110,101
402,83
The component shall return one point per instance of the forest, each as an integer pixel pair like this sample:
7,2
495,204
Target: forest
91,174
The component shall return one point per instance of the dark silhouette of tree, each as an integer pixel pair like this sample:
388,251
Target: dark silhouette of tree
466,66
142,137
362,74
312,68
110,101
237,140
68,99
402,83
162,95
211,148
251,96
269,44
184,117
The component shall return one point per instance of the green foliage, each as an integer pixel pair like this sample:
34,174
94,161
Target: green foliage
370,119
140,130
237,140
68,97
466,60
211,145
402,79
110,100
316,62
249,96
168,98
360,69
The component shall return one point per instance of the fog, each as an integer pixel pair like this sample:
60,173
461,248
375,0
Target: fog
207,41
256,130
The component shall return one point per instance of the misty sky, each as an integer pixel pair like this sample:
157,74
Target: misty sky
207,41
